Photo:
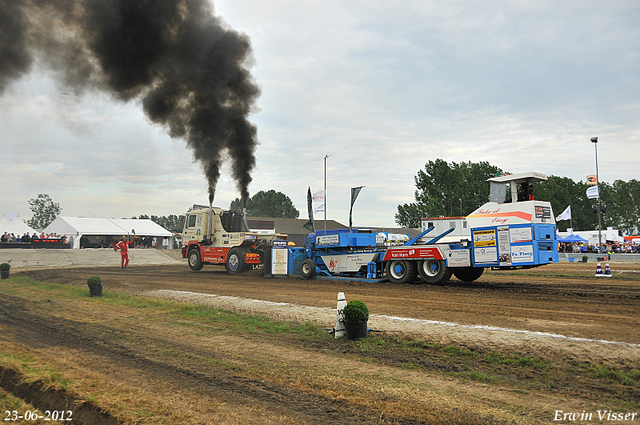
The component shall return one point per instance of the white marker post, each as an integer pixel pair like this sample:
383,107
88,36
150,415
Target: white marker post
340,330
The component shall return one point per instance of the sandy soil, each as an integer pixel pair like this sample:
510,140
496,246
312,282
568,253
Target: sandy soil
577,315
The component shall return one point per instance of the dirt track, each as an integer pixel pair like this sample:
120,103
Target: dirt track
579,306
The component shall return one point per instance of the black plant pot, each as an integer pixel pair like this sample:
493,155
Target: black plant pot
357,330
95,291
4,274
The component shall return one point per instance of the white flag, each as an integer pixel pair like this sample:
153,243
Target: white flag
319,209
566,214
593,192
318,196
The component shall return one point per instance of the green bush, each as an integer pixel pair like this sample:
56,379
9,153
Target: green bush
356,311
4,267
94,281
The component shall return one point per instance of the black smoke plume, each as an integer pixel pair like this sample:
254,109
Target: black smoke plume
188,69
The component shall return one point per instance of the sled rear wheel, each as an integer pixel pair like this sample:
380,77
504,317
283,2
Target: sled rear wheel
400,271
434,272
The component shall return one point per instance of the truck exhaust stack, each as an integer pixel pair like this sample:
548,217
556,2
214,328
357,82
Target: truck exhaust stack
209,233
245,200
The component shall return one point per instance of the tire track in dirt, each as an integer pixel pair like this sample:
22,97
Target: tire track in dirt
41,330
45,398
582,307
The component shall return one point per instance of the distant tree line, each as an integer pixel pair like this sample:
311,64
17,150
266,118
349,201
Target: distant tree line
262,204
173,223
270,204
457,189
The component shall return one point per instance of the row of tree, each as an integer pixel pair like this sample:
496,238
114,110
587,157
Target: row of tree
442,189
171,222
262,204
457,189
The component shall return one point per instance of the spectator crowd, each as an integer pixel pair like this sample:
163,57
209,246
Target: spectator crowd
27,238
610,248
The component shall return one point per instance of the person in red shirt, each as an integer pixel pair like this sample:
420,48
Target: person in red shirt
123,246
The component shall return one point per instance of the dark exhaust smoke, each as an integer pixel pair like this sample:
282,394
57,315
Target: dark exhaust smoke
188,69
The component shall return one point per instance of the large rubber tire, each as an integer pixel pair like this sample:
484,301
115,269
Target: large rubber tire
308,268
235,261
468,274
400,271
434,272
194,259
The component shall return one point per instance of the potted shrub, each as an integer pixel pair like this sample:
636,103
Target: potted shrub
585,258
4,270
95,286
356,315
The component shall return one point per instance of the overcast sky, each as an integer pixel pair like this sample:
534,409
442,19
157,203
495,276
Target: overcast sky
383,88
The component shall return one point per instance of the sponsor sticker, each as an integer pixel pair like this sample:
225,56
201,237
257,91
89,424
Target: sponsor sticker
543,212
520,234
485,255
459,258
484,238
327,240
522,254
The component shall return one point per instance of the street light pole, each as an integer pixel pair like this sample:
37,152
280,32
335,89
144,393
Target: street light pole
325,192
594,140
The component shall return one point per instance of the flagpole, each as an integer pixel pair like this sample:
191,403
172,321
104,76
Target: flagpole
325,192
594,140
571,221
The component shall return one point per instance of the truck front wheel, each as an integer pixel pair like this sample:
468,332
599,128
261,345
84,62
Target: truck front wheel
468,274
195,261
434,272
399,271
235,261
308,268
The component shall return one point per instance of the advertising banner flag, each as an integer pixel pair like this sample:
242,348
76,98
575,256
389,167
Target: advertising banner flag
319,208
310,225
593,192
566,214
355,191
592,179
318,196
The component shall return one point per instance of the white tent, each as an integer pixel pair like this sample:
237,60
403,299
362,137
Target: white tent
17,226
4,221
75,228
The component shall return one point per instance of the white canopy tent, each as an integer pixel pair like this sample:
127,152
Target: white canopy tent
608,235
4,220
17,226
75,228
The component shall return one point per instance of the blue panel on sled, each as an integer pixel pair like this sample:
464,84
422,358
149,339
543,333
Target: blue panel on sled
514,245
